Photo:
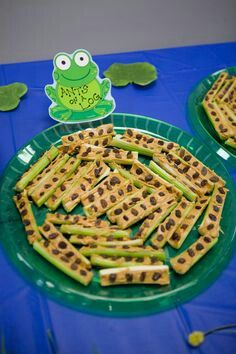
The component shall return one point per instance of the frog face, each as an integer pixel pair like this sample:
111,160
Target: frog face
74,70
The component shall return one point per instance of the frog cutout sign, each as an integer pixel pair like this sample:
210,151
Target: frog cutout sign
78,94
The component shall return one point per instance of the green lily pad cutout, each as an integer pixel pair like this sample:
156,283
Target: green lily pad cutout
136,73
10,95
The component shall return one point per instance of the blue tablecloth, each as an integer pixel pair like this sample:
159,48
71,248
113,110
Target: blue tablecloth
28,320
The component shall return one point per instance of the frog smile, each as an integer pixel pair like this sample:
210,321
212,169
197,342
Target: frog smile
81,78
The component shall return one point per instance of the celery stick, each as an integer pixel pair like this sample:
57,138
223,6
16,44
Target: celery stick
51,233
56,198
151,223
183,230
93,231
76,219
115,261
221,126
24,207
56,165
121,251
138,183
144,274
169,178
117,142
210,224
98,240
185,260
35,169
73,198
41,195
214,89
170,224
118,242
73,270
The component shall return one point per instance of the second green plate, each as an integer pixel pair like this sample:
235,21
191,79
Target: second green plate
200,122
130,300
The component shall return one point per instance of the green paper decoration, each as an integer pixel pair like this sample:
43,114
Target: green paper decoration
10,95
136,73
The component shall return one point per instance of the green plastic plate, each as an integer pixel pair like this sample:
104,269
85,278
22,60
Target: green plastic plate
201,123
130,300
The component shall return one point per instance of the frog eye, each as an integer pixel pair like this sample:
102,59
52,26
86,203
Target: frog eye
81,58
63,62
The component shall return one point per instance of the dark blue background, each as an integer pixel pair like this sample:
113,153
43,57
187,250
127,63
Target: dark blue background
26,317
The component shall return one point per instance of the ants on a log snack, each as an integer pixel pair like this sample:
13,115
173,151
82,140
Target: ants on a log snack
205,172
91,176
72,148
24,207
89,152
120,209
134,140
69,265
67,219
185,173
52,234
220,106
45,191
99,171
146,175
100,136
51,169
216,87
105,261
211,222
186,225
103,240
167,228
143,208
155,219
219,121
137,182
124,251
55,200
185,260
183,189
113,231
34,170
229,115
145,274
111,183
